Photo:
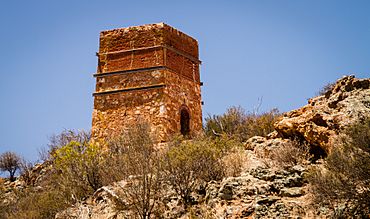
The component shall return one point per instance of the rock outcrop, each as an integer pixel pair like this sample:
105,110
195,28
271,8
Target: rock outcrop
324,117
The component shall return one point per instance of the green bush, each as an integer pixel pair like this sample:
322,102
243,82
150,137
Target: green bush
238,124
345,177
189,163
77,166
61,140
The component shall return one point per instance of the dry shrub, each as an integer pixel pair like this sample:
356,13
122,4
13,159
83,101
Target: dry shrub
32,203
238,124
201,211
26,172
224,143
230,123
132,160
189,163
233,162
289,154
326,88
73,177
344,179
3,201
141,167
81,167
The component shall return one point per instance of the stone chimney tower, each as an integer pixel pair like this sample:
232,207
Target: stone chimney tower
151,73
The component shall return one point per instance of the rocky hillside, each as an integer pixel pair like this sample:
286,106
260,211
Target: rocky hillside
258,192
272,182
264,189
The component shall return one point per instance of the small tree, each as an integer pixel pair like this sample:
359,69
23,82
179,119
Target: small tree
10,161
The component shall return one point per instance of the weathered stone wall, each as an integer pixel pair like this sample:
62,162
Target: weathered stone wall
131,60
130,80
115,111
183,66
180,41
180,92
131,37
149,73
147,36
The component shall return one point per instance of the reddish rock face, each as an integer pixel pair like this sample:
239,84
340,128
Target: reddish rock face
324,117
151,73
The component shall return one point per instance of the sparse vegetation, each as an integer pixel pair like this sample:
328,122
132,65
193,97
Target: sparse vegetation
77,169
233,161
238,124
142,169
80,167
289,154
61,140
72,178
345,178
326,88
26,171
31,203
190,163
186,163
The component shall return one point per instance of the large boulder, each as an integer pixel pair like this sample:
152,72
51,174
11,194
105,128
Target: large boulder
325,116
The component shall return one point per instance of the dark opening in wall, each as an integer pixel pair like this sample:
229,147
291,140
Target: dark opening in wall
184,121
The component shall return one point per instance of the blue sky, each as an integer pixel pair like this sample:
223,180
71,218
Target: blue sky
278,50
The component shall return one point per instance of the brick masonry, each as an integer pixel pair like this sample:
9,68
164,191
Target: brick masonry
151,73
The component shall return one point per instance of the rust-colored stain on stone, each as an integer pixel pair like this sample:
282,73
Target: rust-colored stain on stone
151,73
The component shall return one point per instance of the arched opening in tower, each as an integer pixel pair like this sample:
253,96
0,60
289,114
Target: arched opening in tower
185,122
